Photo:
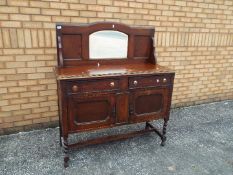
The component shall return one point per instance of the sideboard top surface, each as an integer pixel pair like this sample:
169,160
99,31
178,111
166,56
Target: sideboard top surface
88,71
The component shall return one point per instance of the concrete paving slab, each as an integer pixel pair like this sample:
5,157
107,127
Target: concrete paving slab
200,142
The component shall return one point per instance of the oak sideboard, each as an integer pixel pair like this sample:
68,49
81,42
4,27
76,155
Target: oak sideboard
108,76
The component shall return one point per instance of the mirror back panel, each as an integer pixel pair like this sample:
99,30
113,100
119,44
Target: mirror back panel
103,42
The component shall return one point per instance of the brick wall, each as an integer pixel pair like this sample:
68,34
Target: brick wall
194,37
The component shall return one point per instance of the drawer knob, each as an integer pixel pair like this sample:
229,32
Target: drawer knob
74,88
112,84
164,80
157,80
135,82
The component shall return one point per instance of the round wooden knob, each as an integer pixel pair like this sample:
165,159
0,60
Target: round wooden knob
164,80
135,82
74,88
112,84
157,80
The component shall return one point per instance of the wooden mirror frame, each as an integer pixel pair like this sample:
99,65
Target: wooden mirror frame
73,43
108,44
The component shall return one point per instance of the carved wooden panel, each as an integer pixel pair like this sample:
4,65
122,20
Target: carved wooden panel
71,46
91,111
142,46
148,104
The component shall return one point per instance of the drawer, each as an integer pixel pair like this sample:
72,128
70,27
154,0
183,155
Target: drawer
93,85
148,81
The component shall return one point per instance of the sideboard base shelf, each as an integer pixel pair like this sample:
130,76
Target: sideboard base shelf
148,128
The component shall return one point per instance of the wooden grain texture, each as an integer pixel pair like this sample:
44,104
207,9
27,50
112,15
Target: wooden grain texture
111,70
114,137
98,94
75,42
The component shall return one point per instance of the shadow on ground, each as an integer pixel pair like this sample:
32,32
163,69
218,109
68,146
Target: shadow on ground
200,141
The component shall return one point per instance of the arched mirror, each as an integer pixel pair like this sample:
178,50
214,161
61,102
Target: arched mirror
108,44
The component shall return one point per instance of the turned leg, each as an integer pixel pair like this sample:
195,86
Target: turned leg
60,132
65,150
164,133
147,126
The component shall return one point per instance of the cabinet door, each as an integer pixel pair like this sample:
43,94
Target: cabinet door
146,105
91,110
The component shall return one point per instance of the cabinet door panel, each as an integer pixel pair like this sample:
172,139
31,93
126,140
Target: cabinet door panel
147,105
89,111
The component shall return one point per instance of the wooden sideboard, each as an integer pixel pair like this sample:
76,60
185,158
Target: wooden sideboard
102,93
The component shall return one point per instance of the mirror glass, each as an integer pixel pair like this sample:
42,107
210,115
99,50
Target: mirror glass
108,44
